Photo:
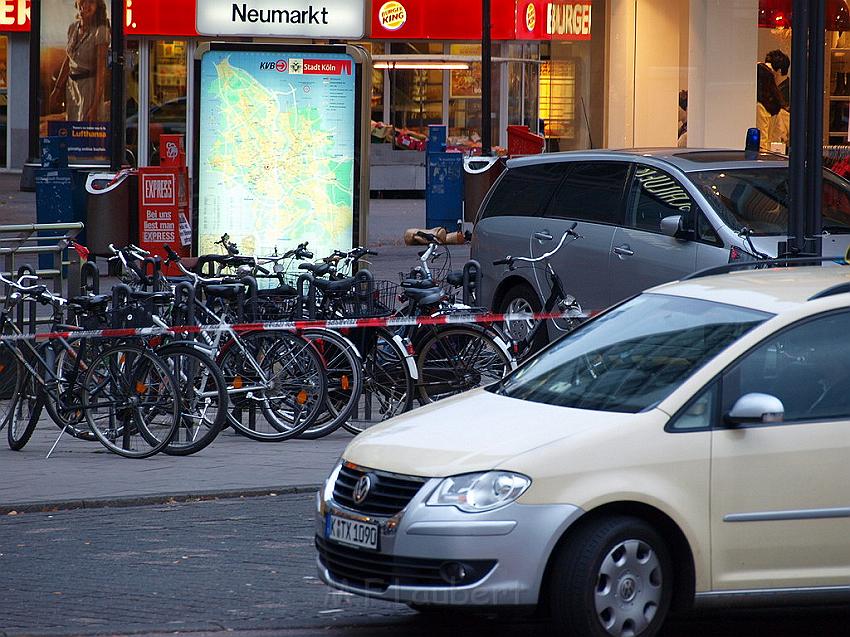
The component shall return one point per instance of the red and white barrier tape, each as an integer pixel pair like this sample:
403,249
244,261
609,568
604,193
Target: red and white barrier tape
297,326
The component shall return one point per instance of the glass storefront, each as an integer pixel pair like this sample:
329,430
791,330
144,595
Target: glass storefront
4,100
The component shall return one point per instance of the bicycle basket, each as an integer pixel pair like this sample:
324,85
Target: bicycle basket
361,302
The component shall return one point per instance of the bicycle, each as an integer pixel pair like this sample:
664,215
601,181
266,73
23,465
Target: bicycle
128,397
525,341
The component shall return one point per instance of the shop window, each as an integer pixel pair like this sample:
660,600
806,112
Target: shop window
592,191
168,92
131,88
465,99
417,93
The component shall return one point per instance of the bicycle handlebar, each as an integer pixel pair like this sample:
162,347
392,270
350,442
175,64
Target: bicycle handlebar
570,232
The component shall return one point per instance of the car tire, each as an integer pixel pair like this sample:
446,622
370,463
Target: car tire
613,577
522,298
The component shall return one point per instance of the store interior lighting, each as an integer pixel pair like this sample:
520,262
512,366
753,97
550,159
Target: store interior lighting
431,66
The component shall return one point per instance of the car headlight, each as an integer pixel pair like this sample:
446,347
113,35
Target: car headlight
477,492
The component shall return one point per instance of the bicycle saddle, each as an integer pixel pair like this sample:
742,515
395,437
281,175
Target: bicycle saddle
418,284
427,296
91,302
326,285
318,269
281,290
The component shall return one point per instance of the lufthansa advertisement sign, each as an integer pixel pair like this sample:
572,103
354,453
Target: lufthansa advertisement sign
338,19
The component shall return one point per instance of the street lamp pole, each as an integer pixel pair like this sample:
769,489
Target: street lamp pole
486,81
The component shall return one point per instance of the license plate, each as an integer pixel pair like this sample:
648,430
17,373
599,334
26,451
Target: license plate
351,532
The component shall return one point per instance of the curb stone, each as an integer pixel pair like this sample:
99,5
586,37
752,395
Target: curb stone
145,500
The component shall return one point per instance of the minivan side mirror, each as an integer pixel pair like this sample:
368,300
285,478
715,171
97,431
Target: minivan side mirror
674,226
756,408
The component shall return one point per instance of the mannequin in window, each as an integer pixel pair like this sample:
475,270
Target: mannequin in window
772,116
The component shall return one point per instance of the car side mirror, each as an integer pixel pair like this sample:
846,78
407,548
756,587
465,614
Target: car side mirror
756,408
674,226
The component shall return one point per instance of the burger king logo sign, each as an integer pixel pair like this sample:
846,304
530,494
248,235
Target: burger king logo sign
392,15
530,18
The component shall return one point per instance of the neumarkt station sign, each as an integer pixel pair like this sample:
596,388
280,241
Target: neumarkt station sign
317,19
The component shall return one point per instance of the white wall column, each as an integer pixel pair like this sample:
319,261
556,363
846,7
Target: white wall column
621,74
723,54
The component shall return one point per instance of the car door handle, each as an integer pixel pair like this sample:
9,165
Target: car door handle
624,251
543,235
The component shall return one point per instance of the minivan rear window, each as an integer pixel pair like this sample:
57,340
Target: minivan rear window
525,191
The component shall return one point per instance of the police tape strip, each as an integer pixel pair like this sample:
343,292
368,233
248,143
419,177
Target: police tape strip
458,318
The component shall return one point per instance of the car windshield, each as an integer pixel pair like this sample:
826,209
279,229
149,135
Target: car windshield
757,198
632,357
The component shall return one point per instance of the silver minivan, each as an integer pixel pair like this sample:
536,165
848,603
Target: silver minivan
646,217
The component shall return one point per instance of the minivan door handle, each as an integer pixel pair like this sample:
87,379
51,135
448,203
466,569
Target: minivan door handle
543,235
624,251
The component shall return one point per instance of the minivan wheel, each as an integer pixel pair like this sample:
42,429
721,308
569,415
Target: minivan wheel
612,579
521,299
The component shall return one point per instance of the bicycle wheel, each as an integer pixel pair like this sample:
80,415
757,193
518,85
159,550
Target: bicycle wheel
25,414
203,398
344,376
66,408
10,371
457,359
275,383
387,382
131,401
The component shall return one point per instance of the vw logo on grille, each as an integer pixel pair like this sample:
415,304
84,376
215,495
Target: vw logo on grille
361,489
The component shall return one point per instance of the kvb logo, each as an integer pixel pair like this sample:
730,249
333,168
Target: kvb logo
281,66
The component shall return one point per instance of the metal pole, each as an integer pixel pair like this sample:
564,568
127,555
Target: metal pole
797,204
116,63
486,80
814,149
35,81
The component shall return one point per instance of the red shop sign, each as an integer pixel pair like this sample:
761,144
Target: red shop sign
546,20
143,17
14,15
440,20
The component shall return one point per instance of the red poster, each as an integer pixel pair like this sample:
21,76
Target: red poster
163,211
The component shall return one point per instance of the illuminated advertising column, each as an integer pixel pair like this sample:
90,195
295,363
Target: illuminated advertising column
279,136
75,40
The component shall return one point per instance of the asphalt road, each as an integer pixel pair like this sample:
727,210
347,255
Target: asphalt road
243,566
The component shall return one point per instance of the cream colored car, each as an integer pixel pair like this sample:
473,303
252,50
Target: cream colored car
688,447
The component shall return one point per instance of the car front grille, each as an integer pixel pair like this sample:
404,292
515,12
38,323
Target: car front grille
388,495
375,571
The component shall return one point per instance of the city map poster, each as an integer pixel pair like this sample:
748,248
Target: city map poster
276,150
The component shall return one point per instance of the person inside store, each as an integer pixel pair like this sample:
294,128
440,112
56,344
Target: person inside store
82,77
772,115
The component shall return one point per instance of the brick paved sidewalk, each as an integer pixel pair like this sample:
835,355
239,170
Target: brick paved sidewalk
84,474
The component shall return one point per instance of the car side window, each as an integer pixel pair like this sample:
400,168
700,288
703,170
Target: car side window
592,191
654,196
698,414
525,191
806,366
706,232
